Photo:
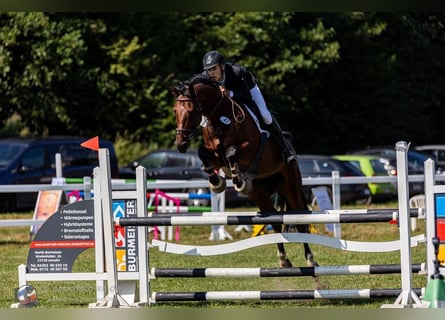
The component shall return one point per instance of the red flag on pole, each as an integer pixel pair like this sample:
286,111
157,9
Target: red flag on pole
92,143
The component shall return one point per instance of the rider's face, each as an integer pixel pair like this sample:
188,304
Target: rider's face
216,73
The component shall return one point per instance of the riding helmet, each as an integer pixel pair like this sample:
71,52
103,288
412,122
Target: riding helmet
211,59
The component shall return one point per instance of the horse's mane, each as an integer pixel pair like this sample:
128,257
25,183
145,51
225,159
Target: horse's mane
185,87
201,78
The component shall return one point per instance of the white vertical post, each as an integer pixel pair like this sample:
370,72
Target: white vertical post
98,235
113,299
217,203
171,209
430,216
86,188
408,298
58,159
162,208
336,200
141,200
214,233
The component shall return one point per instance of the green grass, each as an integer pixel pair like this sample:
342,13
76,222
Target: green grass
14,244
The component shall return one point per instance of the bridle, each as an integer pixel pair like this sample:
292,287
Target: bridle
188,134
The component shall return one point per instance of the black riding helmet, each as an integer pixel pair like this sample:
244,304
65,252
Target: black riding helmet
211,59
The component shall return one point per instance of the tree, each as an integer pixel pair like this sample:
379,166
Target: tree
335,80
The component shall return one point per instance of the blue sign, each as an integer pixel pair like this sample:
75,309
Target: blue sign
440,204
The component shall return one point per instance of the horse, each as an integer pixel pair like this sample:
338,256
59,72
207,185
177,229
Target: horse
234,143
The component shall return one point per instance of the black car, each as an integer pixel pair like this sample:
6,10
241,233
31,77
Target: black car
436,152
169,164
314,166
32,161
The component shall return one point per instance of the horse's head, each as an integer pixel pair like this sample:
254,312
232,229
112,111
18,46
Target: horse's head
188,116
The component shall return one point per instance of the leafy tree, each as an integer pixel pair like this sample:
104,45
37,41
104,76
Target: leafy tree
335,80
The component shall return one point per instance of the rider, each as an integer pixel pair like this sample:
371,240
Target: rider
238,83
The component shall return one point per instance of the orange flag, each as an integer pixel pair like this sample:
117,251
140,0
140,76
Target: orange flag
92,143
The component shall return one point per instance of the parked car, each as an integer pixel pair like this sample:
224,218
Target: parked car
313,166
371,167
32,161
415,159
169,164
436,152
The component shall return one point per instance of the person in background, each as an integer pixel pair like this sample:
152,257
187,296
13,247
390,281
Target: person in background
238,83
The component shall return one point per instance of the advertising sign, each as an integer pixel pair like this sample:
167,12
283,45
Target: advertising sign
125,238
70,231
63,236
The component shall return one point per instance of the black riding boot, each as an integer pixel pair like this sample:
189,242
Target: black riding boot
286,147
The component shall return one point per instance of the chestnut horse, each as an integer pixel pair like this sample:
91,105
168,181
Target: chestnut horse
235,143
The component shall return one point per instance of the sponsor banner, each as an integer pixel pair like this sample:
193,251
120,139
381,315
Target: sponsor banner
70,231
125,238
63,236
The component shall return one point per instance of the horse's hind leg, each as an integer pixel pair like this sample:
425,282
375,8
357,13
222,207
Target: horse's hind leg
265,204
281,252
279,204
308,255
293,193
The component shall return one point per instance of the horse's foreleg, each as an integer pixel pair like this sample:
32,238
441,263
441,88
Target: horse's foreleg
217,183
238,181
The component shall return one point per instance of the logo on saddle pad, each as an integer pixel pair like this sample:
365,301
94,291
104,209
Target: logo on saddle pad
224,120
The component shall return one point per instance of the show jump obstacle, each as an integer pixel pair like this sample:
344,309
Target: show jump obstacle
117,228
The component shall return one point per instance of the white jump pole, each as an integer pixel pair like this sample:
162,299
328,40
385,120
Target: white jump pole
430,218
408,298
336,202
217,203
113,299
141,200
58,158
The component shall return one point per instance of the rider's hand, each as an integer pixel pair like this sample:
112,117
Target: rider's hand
224,91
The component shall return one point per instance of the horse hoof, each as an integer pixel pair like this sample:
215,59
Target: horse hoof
285,263
240,188
312,264
248,188
220,187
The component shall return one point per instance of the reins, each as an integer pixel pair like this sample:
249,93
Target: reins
234,103
243,115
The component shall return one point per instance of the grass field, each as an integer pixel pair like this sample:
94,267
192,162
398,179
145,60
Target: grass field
14,244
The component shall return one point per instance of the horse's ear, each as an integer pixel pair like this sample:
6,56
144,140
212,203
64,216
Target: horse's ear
176,89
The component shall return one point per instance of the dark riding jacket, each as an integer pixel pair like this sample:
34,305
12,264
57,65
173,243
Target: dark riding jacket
238,80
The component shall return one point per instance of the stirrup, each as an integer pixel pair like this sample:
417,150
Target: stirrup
289,155
291,158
